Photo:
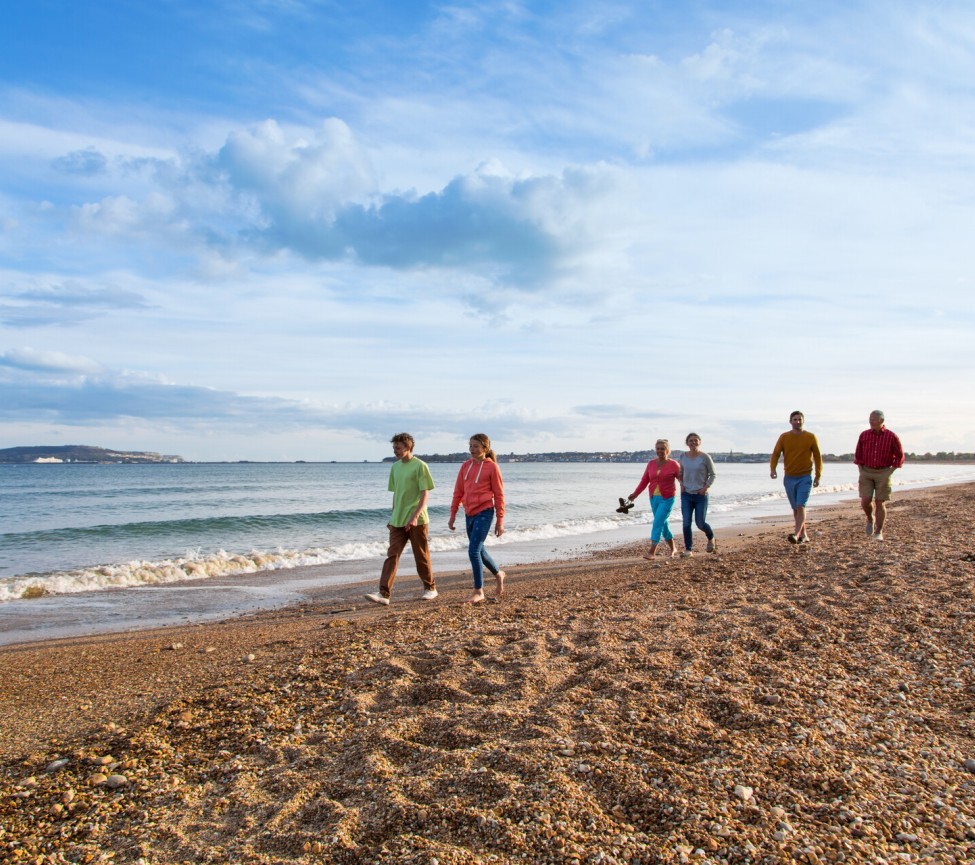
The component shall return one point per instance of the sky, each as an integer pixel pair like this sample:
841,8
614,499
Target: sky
288,229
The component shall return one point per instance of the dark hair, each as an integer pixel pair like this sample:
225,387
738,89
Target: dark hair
689,437
403,439
486,444
794,413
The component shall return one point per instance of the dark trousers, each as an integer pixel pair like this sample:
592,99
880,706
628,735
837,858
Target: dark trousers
417,537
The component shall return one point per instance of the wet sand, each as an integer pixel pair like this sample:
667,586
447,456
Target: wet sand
766,704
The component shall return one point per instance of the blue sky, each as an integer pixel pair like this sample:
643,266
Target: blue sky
288,229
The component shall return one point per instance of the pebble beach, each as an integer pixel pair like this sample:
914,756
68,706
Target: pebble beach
765,704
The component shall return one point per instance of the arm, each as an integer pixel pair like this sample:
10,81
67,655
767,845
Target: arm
898,451
776,453
424,497
458,497
497,487
644,481
711,475
858,455
817,461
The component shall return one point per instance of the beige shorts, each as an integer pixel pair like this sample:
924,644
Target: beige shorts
875,483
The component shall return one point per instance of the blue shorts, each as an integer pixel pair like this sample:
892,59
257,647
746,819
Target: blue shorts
798,488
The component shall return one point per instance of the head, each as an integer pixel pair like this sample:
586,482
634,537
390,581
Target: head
876,420
662,447
797,419
693,441
480,447
402,445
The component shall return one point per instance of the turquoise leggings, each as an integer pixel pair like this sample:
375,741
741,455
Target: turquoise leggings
661,508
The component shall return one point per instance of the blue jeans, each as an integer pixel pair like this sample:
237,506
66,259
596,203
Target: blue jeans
478,527
661,508
694,505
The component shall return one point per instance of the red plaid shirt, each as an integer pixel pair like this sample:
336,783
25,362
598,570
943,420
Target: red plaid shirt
879,450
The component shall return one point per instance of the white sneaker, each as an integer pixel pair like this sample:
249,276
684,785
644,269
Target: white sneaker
878,536
429,594
376,598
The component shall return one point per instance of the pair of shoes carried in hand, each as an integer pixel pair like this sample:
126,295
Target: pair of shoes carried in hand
625,506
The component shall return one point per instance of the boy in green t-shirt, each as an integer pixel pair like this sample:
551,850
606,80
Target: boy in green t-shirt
410,483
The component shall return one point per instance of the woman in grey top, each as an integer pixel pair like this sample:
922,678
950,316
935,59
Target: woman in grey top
697,475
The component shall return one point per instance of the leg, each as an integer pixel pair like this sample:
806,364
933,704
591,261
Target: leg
686,512
881,516
397,543
420,543
800,514
478,527
867,488
661,516
701,517
884,490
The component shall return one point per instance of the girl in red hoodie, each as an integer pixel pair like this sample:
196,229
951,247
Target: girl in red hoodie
481,491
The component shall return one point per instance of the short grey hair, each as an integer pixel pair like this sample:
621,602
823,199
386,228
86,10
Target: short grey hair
877,413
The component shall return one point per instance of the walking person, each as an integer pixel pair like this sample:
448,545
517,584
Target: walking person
410,483
800,453
879,454
661,476
697,476
480,490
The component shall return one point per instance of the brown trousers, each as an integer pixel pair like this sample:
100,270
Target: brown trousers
398,536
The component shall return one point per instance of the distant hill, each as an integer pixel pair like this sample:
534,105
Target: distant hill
80,454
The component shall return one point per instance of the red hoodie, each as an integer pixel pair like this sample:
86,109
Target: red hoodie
478,487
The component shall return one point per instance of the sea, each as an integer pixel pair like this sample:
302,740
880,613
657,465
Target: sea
88,549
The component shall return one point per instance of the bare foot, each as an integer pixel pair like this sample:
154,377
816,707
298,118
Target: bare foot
499,583
476,598
650,556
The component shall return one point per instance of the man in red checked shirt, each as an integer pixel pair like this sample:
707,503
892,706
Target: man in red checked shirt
878,454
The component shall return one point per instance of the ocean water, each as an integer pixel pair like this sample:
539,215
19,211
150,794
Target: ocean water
70,530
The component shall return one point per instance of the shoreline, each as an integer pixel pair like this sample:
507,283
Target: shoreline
104,612
765,704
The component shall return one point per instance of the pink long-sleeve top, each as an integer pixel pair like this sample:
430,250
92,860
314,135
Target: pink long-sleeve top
478,487
665,477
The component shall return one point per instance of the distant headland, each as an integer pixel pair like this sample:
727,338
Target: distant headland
81,454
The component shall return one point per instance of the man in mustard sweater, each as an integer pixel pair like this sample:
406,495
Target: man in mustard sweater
800,452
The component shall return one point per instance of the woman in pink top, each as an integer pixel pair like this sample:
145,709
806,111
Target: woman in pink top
661,475
480,490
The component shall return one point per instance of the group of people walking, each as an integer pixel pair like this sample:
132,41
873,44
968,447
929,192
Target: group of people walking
479,489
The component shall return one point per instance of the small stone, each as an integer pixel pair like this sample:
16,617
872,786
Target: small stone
744,793
102,761
56,766
174,647
97,779
970,765
28,783
116,781
249,659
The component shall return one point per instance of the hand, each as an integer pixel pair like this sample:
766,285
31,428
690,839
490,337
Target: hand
816,482
773,474
450,525
499,529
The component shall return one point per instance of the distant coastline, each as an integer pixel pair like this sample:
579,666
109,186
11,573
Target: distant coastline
90,455
81,454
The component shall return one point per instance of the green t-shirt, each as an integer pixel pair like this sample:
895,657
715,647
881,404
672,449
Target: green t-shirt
406,482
